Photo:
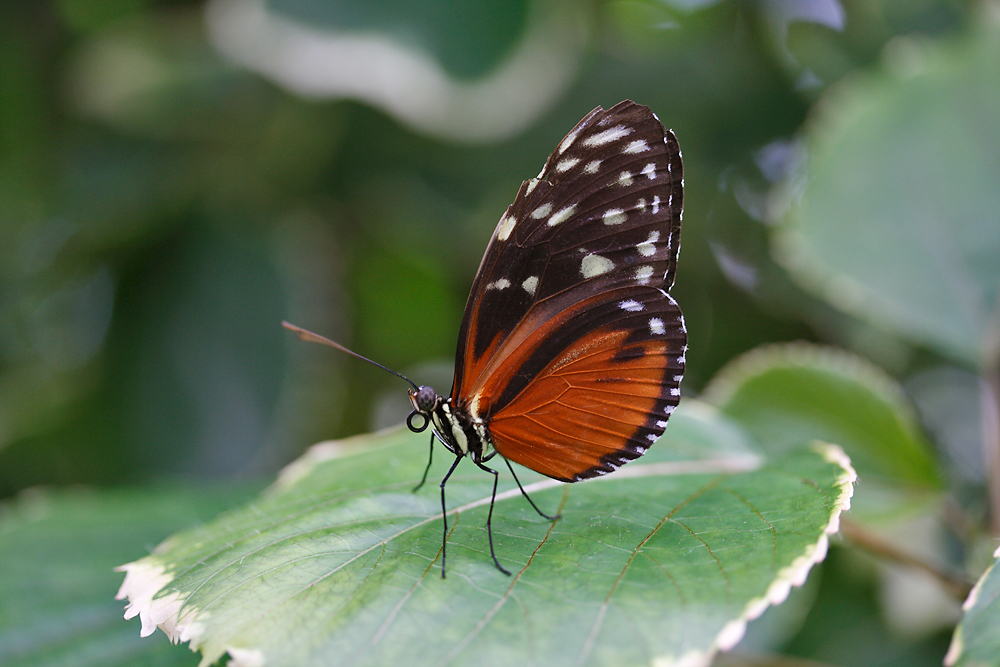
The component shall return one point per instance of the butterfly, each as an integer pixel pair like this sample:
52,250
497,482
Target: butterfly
571,349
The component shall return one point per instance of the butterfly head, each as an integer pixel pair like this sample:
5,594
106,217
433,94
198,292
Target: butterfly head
425,401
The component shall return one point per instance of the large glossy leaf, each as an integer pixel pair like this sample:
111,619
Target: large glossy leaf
468,37
783,395
897,216
472,71
339,563
976,642
58,550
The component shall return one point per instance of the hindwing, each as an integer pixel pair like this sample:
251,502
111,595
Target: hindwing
570,348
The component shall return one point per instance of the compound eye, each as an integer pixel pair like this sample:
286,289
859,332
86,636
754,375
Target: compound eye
425,399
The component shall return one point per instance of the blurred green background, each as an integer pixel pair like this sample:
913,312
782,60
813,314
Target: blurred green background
178,177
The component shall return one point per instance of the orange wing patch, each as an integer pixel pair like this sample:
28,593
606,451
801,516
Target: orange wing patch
600,403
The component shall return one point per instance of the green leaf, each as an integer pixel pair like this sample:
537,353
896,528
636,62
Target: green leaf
469,38
339,563
783,395
976,642
897,215
58,550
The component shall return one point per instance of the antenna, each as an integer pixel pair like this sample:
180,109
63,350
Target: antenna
310,337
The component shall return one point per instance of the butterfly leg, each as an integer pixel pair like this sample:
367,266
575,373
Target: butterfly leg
430,459
444,512
525,494
489,517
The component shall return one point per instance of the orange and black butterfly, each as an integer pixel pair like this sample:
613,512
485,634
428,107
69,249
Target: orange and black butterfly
571,349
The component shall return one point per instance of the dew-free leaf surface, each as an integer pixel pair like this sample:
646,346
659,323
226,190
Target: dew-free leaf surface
339,563
976,642
58,550
783,395
896,220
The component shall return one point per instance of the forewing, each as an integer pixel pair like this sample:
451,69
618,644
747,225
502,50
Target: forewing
604,213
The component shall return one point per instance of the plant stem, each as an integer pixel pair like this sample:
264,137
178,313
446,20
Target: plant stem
956,585
989,411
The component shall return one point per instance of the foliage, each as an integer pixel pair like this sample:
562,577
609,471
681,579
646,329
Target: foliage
340,561
176,178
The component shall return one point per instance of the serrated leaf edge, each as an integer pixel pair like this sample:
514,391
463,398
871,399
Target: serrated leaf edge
329,450
182,622
800,354
143,580
793,574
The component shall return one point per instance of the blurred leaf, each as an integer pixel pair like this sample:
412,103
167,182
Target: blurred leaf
468,37
784,395
848,626
976,642
405,291
897,221
84,15
339,562
58,550
472,71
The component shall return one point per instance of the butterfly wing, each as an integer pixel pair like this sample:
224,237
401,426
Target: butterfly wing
570,348
604,379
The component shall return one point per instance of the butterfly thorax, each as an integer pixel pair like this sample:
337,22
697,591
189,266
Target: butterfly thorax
453,425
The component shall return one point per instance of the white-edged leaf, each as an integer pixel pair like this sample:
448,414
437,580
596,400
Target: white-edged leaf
339,563
976,642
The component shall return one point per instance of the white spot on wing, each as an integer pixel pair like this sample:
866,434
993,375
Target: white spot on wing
566,165
656,325
542,211
531,186
661,424
592,167
631,305
667,409
651,437
643,273
625,178
562,215
649,171
641,204
675,391
607,136
530,285
614,216
499,284
648,248
505,227
637,146
569,139
656,204
595,265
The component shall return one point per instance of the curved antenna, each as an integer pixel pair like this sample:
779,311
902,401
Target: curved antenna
310,337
